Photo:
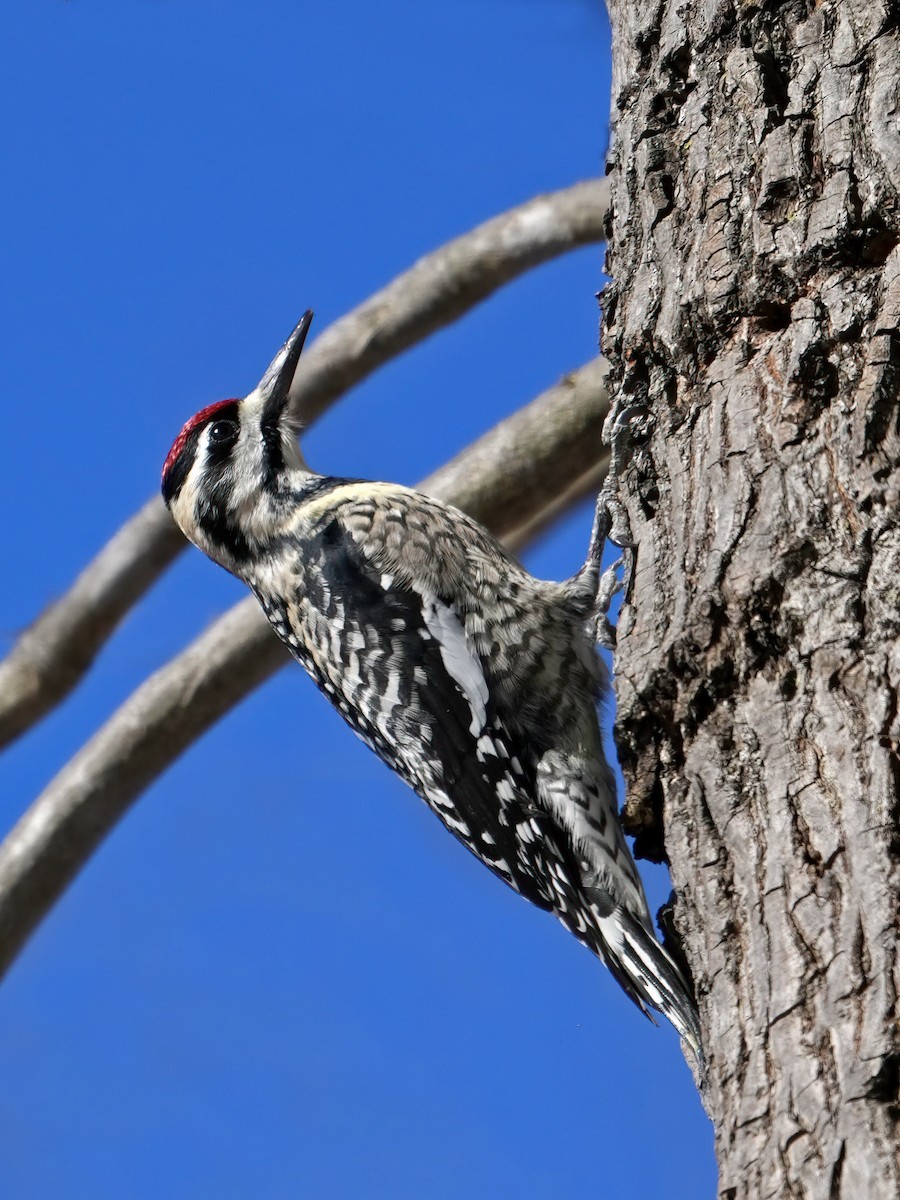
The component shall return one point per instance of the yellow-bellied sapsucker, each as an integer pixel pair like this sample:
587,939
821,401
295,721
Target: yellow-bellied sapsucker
475,682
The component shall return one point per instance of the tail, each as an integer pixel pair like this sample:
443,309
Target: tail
647,973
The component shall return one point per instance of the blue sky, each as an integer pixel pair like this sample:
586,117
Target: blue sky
280,977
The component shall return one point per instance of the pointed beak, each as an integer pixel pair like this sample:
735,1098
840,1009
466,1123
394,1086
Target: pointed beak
275,385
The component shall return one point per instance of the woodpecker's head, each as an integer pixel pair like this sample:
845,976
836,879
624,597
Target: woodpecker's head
224,478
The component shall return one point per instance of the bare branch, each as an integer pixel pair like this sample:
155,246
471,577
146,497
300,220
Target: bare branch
588,484
501,479
52,655
55,651
504,499
440,287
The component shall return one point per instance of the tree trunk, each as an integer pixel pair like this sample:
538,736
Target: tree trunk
753,335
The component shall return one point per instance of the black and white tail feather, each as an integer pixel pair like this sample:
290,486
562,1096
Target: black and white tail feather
641,965
646,972
474,681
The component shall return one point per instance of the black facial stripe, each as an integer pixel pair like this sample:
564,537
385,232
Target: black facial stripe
273,451
218,453
222,531
173,480
319,486
213,512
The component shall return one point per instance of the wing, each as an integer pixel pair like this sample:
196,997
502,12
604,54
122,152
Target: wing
396,662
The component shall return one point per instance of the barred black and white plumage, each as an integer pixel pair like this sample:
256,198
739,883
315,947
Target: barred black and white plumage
477,683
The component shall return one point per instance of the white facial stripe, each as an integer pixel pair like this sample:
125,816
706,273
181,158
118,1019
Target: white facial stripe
241,478
193,484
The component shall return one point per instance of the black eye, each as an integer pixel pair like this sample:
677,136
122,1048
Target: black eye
223,431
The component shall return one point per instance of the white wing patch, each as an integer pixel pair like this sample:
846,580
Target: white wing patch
462,665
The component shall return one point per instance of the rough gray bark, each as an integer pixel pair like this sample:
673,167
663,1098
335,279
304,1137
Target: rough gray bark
753,337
